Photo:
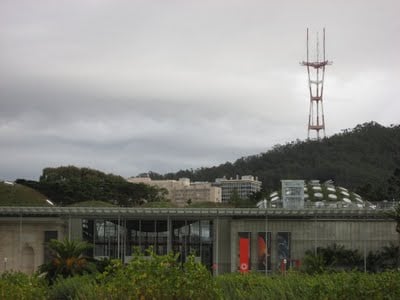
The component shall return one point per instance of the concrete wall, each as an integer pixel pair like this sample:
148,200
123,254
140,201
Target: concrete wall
22,242
197,193
364,235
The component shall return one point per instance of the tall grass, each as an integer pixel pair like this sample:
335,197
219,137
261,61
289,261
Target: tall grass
345,285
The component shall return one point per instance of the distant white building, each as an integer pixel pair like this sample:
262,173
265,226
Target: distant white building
244,186
183,191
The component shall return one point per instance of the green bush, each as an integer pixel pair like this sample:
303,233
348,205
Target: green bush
163,277
332,258
67,259
16,285
157,277
342,285
78,287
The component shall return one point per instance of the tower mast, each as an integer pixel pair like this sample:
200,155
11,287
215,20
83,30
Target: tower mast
316,76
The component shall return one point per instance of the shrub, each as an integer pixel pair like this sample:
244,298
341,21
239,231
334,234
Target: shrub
67,259
157,277
102,264
314,264
341,285
16,285
332,258
78,287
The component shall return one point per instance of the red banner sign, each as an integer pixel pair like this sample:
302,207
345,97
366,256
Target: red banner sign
244,246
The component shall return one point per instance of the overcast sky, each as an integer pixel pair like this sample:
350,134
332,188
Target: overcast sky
131,86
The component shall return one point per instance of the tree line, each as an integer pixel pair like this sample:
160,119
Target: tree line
365,159
69,184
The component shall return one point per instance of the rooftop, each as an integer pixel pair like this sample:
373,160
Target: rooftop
135,212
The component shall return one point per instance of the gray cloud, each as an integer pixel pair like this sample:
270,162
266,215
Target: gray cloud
132,86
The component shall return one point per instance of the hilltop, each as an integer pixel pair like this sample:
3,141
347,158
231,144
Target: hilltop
363,159
12,194
69,185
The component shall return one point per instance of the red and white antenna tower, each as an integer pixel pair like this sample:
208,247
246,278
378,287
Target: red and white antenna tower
316,76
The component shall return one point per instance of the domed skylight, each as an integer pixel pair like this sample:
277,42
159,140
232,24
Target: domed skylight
325,194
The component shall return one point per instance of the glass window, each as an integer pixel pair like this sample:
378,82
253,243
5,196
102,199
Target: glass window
179,230
264,251
148,234
206,231
105,238
133,236
194,239
162,237
283,248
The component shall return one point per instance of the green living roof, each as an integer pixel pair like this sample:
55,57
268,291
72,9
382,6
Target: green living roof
92,203
12,194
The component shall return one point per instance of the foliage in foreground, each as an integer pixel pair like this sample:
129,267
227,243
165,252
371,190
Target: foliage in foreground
67,259
144,277
78,287
157,277
334,258
16,285
166,280
343,285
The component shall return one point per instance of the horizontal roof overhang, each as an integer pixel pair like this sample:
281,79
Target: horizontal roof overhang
135,212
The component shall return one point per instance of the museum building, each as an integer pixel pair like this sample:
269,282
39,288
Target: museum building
224,239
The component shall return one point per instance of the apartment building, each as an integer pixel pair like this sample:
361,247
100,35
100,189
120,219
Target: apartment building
182,191
244,186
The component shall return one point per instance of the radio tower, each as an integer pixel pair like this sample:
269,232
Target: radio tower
316,75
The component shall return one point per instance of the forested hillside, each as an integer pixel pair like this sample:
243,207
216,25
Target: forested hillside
363,159
69,185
